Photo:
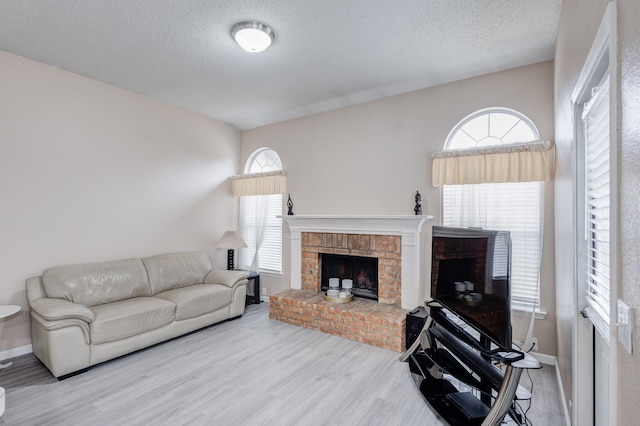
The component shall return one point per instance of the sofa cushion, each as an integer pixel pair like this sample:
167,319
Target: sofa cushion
175,270
97,283
126,318
198,299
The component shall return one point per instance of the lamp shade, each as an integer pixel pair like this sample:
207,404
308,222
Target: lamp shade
231,240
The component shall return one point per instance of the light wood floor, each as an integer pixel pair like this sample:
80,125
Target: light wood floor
251,371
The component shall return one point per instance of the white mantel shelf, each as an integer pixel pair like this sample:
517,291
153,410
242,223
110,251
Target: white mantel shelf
381,225
409,227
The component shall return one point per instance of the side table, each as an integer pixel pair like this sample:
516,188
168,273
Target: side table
5,312
255,277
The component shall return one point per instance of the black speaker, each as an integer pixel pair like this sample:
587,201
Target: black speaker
415,321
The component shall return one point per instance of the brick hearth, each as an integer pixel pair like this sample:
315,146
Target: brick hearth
361,320
396,241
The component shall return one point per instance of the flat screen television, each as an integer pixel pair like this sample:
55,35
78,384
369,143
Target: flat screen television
471,277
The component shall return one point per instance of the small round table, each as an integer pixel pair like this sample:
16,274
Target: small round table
5,312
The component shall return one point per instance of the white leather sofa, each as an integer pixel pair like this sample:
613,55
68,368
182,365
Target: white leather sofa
82,315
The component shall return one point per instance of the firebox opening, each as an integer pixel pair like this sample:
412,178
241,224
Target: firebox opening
362,270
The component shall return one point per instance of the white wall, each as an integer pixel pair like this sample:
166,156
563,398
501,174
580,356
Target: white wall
629,213
89,172
578,25
370,158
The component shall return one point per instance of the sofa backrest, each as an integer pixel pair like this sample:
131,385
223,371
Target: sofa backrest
175,270
97,283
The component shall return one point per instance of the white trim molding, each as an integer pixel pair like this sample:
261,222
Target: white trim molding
14,352
601,60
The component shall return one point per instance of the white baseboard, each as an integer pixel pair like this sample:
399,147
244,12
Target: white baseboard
544,358
12,353
567,417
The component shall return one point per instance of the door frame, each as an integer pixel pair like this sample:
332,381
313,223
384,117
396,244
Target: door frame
602,55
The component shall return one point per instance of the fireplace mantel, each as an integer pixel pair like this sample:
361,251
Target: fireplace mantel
415,253
380,225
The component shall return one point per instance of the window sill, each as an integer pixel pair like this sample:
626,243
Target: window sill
264,273
271,274
525,311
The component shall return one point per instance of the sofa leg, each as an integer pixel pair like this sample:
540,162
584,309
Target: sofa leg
75,373
234,318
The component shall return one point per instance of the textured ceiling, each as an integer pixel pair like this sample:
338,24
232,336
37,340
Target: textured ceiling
327,53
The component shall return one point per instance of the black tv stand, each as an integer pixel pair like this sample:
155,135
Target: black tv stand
444,349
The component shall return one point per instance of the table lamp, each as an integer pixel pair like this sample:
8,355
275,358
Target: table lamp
231,240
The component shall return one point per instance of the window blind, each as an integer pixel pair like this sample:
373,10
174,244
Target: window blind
501,256
253,210
595,119
513,207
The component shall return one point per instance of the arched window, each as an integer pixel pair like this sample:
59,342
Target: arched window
491,127
514,207
263,160
260,225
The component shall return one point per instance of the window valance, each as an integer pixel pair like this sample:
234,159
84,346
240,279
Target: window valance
259,184
521,162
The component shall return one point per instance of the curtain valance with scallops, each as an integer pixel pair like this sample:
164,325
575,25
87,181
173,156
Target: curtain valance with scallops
521,162
259,184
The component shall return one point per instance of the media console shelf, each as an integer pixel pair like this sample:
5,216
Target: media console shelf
444,349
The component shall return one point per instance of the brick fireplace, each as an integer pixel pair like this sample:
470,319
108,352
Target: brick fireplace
386,248
415,246
396,241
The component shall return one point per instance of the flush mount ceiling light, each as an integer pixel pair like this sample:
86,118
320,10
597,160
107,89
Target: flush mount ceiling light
252,36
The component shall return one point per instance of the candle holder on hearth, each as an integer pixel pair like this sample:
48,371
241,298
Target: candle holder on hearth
339,299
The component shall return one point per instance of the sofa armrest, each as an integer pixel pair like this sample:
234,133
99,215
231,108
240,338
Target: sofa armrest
51,326
228,278
56,309
35,289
